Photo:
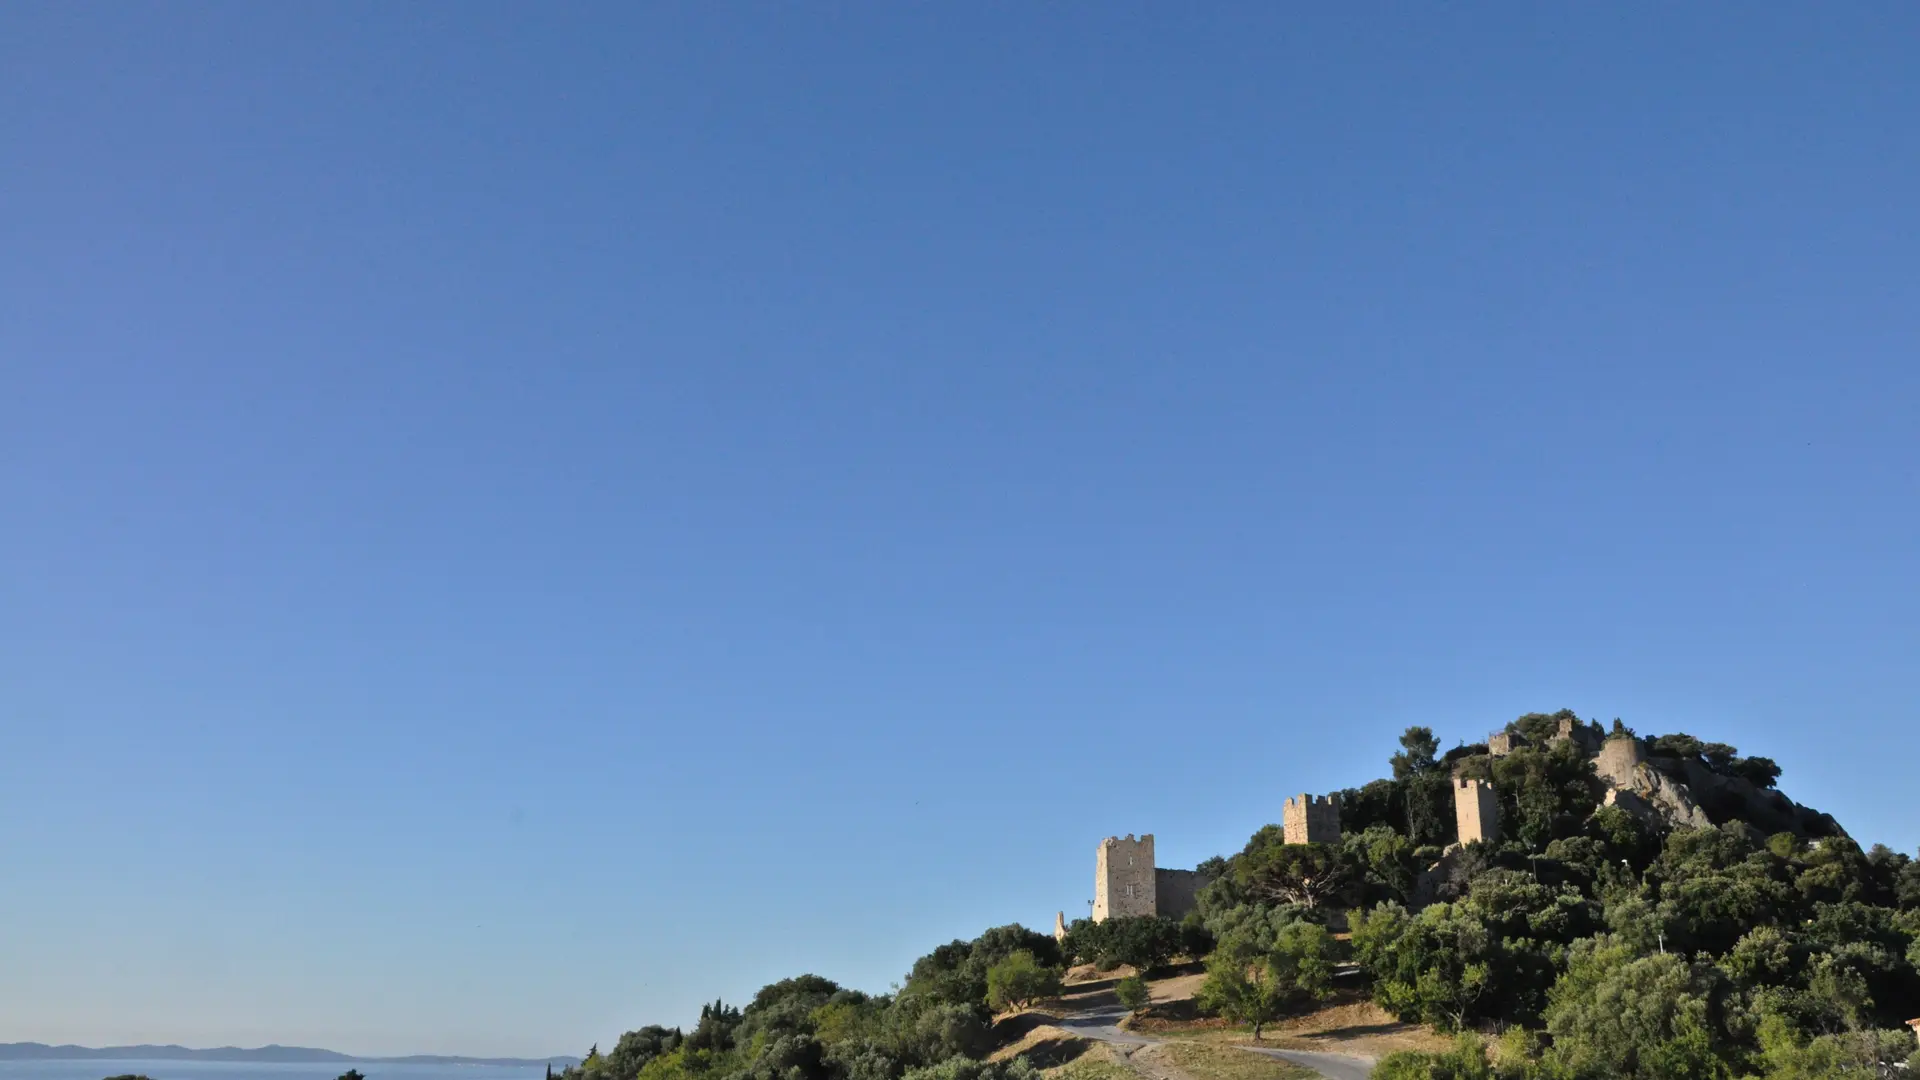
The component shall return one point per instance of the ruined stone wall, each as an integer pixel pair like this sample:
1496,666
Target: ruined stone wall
1176,892
1502,743
1585,736
1476,810
1311,819
1123,878
1618,760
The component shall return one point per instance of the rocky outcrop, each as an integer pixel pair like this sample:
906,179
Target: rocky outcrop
1667,791
1642,790
1658,801
1732,798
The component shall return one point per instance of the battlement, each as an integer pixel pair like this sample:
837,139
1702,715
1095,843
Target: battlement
1311,819
1123,878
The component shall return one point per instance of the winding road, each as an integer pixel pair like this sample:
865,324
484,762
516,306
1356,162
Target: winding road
1103,1024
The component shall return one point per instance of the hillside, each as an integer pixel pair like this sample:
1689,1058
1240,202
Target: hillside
1571,902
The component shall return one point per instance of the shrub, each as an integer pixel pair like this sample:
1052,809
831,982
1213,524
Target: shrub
1019,980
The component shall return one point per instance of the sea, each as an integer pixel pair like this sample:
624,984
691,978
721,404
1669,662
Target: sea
98,1069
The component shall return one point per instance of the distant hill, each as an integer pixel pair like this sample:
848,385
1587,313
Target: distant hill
31,1051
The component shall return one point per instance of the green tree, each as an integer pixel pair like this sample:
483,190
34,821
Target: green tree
1615,1014
1307,875
714,1033
1385,861
957,971
1440,967
1861,1055
636,1048
1142,941
354,1074
1249,931
1380,803
1546,792
961,1068
1466,1060
1252,986
1245,993
1132,992
1418,753
1302,959
1758,771
1017,980
1425,793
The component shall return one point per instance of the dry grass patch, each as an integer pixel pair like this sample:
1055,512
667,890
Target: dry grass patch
1012,1027
1101,1062
1182,1016
1213,1061
1348,1025
1045,1046
1179,987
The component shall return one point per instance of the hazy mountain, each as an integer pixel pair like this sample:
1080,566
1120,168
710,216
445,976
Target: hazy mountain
41,1051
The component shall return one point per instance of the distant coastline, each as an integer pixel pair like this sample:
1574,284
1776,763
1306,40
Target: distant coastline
33,1051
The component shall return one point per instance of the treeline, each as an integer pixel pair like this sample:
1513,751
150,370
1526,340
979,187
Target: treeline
938,1026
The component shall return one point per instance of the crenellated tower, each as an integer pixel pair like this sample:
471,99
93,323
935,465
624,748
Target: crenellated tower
1123,878
1476,810
1311,819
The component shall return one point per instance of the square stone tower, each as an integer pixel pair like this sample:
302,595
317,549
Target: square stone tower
1123,878
1312,819
1476,810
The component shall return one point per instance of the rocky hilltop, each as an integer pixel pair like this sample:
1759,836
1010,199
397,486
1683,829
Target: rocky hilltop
1671,781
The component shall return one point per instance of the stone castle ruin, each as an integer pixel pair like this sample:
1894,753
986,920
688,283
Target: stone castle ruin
1642,790
1663,790
1585,736
1127,883
1124,878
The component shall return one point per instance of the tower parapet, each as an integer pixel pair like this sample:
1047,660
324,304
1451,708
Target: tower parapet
1311,819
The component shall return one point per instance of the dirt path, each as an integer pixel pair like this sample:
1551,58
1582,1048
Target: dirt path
1101,1022
1331,1066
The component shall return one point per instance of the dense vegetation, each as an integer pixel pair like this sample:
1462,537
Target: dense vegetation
1587,943
936,1027
1597,943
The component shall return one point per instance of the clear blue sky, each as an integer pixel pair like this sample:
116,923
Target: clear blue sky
517,519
